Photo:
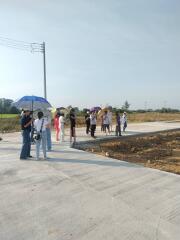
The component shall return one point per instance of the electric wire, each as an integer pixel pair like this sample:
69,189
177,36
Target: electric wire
21,45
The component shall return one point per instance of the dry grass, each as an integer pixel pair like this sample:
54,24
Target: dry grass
154,116
13,124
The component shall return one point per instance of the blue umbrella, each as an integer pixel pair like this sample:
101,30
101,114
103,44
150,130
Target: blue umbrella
32,103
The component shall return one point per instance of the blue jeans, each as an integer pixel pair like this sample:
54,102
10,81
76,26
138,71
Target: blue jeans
48,134
38,144
26,147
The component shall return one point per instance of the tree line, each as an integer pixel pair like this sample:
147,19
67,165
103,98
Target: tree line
6,106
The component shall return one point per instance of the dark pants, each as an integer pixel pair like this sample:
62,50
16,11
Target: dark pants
106,126
118,130
125,126
26,147
87,128
93,129
32,135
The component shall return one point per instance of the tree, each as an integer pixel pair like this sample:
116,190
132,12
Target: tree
6,106
126,106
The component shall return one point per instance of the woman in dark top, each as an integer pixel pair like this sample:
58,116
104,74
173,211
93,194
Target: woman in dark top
87,121
72,125
118,124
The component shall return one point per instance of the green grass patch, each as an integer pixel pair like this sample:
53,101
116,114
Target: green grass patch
9,115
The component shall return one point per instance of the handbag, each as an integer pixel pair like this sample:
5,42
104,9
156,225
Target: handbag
38,135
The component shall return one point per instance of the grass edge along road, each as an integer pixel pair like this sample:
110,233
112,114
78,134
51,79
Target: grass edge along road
9,115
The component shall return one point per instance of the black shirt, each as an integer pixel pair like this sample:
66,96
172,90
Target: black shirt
87,118
72,120
24,120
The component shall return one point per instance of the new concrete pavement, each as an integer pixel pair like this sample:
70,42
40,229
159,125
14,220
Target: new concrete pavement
81,196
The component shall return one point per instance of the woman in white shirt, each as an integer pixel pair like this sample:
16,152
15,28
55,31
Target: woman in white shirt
61,126
40,125
124,121
106,122
93,123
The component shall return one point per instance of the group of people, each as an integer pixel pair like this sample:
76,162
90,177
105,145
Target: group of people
59,122
106,122
39,130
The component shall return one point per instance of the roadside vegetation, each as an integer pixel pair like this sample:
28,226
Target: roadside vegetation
11,122
10,116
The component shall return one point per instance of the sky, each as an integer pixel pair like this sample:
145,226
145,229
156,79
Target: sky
98,52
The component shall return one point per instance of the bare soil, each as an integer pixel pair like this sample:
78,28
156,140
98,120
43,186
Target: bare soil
160,151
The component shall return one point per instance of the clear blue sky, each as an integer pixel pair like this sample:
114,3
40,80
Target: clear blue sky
98,51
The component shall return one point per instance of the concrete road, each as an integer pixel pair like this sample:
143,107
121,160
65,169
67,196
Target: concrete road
81,196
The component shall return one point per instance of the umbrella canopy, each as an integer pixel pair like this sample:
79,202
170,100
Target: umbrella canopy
53,110
65,111
95,109
61,108
32,103
102,111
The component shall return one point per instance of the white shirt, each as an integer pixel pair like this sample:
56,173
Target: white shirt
38,124
110,117
106,119
48,119
61,121
92,119
124,119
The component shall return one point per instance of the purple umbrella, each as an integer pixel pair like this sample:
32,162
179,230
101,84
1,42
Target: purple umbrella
95,109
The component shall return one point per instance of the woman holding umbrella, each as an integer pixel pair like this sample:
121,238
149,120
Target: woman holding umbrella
26,122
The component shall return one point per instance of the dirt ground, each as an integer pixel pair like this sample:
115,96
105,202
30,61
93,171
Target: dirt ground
160,151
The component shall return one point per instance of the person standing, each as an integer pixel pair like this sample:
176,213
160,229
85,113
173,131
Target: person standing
87,121
26,122
106,122
124,121
72,126
61,126
48,132
56,125
118,124
110,116
102,124
93,123
40,125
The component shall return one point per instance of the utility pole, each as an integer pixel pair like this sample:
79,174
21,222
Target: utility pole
44,63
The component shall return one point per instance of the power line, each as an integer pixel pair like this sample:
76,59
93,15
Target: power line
30,47
21,45
10,39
